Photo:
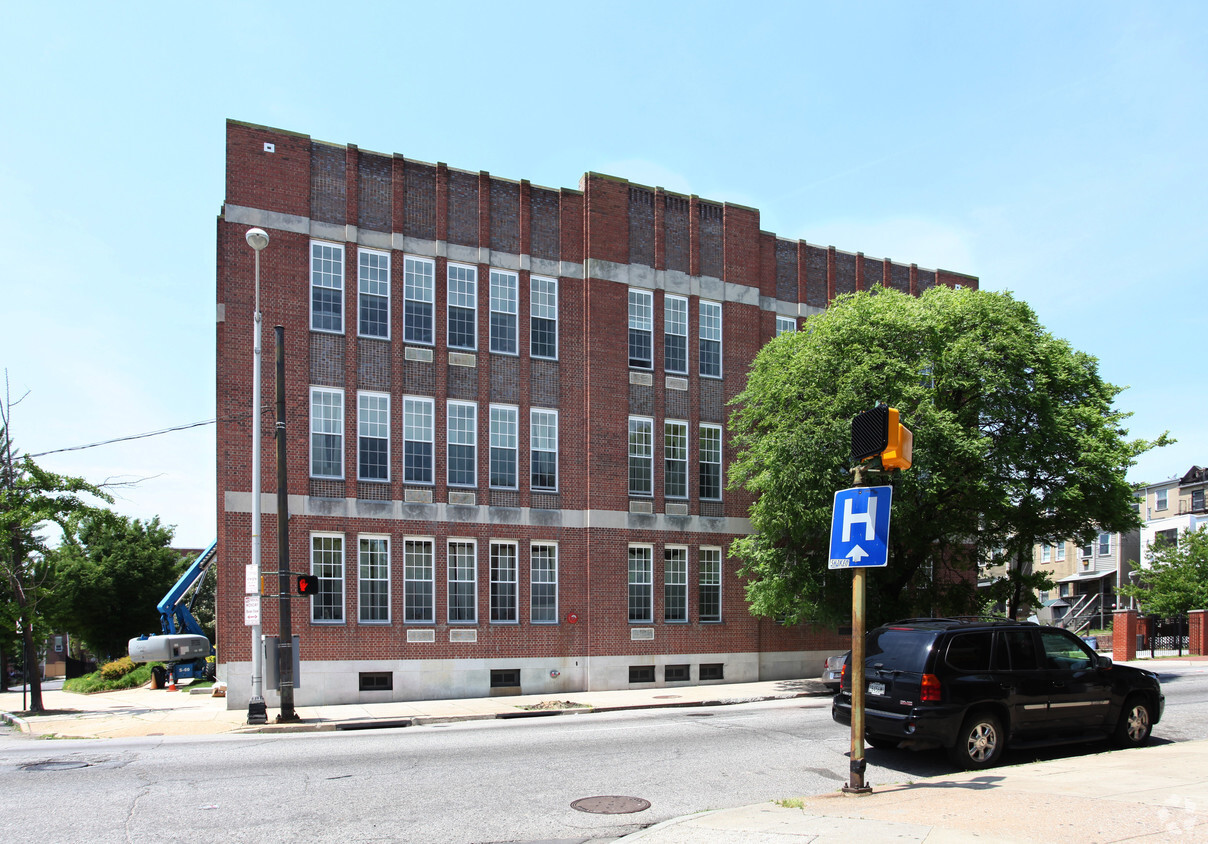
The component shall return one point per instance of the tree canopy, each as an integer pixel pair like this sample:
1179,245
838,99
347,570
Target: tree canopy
1016,441
1176,578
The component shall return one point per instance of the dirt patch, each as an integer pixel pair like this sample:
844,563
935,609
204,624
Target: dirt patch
547,705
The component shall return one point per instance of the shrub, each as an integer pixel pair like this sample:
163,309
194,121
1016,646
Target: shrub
117,669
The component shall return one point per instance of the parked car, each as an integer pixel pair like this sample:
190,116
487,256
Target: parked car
975,686
832,671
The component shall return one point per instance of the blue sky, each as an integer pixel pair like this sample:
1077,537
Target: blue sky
1053,150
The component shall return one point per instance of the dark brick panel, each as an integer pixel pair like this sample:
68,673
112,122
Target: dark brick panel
926,280
815,281
712,400
786,271
505,216
420,201
641,226
845,273
874,271
711,241
641,400
505,379
326,489
463,208
373,364
373,210
419,378
373,491
463,383
900,278
546,205
327,359
543,383
676,404
675,223
328,189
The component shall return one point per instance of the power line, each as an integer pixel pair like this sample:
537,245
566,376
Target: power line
233,416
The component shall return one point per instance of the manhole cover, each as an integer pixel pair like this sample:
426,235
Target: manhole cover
54,766
611,805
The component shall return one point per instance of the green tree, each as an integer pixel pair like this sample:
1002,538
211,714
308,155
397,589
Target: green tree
109,575
32,500
1016,442
1176,579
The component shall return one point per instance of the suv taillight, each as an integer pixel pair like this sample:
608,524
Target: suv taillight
843,684
931,689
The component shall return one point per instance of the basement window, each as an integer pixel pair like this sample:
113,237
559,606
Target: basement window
641,673
712,671
505,678
376,681
677,673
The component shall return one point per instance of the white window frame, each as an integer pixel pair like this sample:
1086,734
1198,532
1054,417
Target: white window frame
430,580
472,569
534,580
675,324
336,422
334,276
543,305
675,457
498,606
1161,499
504,436
543,439
411,423
370,284
456,436
710,332
642,426
505,301
710,580
641,320
1059,554
419,288
375,429
647,584
326,590
1104,549
461,293
363,579
1046,553
675,579
721,478
785,325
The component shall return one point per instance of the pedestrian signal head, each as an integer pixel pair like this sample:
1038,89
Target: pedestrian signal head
308,584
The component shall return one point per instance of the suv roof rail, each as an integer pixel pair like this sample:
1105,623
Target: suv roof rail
962,619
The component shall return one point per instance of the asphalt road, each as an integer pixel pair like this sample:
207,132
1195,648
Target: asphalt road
488,781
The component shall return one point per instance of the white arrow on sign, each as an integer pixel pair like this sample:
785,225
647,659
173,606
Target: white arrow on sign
857,554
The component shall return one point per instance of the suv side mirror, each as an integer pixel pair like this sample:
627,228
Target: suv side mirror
1104,663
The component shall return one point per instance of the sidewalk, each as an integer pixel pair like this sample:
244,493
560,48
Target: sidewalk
1151,794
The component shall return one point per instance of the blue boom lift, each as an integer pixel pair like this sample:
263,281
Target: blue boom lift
182,645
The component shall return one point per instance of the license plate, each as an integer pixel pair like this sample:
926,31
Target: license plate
876,689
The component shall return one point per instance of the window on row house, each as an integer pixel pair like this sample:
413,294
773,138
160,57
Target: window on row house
1161,501
785,325
675,334
504,584
326,433
1105,544
463,581
543,317
418,588
1059,554
419,297
504,445
675,459
374,578
710,462
373,300
1046,553
373,436
710,339
641,456
543,599
326,287
543,456
463,443
641,329
675,584
418,433
327,565
463,304
504,299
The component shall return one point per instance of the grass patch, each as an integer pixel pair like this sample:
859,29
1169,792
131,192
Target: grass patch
791,803
98,682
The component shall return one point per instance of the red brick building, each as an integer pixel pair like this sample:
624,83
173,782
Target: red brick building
506,407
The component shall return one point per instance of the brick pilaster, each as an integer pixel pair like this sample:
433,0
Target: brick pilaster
1124,629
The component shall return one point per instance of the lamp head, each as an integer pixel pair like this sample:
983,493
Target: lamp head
257,238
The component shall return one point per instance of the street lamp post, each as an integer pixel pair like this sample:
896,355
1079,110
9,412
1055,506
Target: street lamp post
257,712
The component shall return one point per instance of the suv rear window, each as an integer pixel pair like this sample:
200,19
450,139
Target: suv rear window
970,651
900,648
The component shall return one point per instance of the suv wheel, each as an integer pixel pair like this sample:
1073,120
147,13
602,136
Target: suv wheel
980,742
1135,723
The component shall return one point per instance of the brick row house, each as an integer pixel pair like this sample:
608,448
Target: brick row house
506,410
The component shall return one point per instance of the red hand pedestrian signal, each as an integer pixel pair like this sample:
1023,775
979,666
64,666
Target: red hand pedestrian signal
308,584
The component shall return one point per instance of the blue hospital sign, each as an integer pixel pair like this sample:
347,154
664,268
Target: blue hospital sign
860,527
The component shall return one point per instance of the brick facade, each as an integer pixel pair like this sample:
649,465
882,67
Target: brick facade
595,244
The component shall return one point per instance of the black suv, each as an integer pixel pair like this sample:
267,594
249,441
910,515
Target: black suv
975,685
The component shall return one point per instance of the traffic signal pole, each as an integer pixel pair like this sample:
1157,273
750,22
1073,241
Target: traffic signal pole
285,638
857,763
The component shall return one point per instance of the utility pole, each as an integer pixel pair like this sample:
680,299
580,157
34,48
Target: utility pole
285,639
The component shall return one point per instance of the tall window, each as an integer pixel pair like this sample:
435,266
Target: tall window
544,583
1060,555
373,299
675,459
463,307
504,445
504,589
710,339
709,596
543,317
326,433
641,329
373,436
463,581
419,276
417,440
326,286
543,455
463,443
785,325
504,307
1105,544
327,565
641,456
1160,500
675,334
417,581
374,578
675,583
641,583
710,462
1046,553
